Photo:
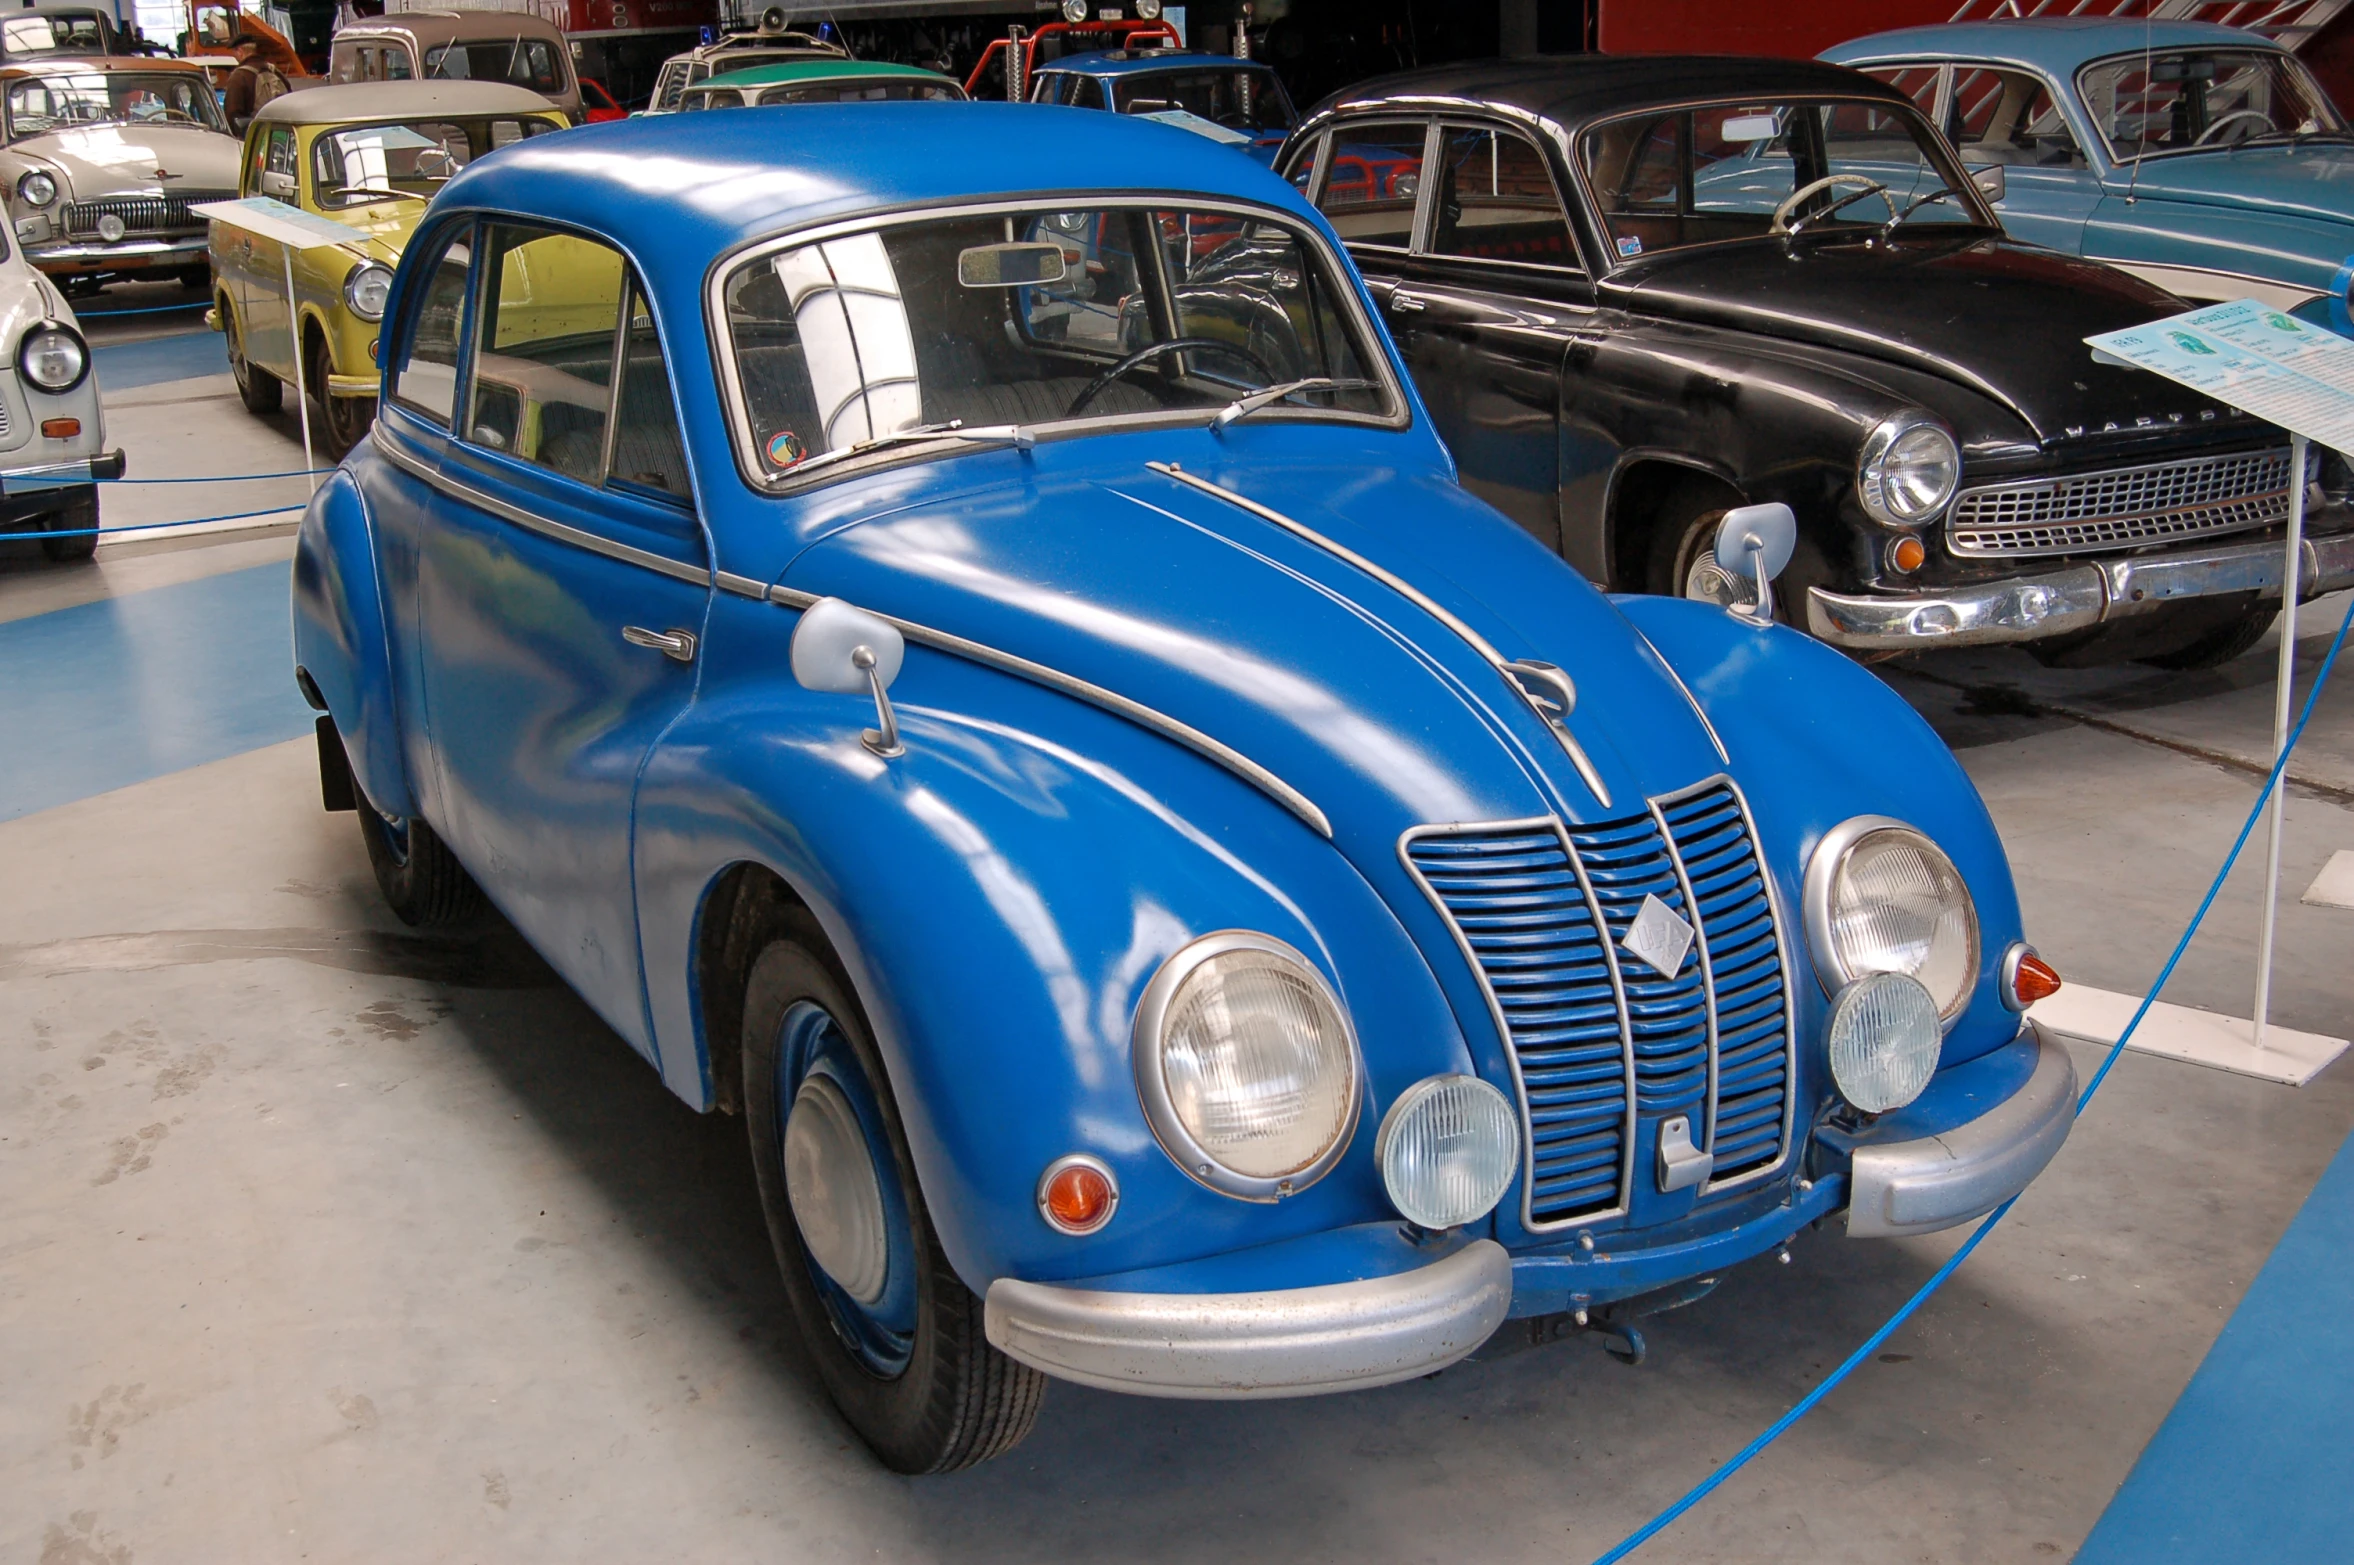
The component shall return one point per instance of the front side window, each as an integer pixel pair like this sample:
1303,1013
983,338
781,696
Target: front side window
1665,181
1374,176
40,104
2008,117
1091,314
276,151
669,85
1496,201
2182,100
427,381
1248,101
396,63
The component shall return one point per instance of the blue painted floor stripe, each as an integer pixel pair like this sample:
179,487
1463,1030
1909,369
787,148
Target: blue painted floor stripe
2256,1462
102,695
180,356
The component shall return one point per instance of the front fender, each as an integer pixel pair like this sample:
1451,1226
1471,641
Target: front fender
1816,739
1000,896
340,640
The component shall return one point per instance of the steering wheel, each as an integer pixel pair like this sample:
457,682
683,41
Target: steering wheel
1797,198
1152,351
2212,131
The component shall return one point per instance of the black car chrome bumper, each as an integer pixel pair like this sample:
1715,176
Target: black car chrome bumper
2027,608
1918,1187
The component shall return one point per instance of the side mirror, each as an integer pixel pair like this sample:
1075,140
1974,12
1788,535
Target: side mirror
1756,541
1992,181
847,651
278,186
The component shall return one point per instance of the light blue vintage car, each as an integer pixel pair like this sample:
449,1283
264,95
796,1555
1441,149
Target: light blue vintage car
2205,159
1185,898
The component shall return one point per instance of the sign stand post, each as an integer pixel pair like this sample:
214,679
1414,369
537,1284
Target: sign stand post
302,400
2291,577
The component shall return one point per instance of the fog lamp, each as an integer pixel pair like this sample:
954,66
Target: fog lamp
1448,1149
111,228
1884,1039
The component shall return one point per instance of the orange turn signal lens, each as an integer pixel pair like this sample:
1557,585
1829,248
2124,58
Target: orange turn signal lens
61,428
1077,1195
1907,555
2033,979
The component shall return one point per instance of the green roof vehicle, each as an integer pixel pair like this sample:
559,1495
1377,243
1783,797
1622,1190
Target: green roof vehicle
819,81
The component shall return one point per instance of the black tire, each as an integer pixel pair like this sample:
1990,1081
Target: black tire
2221,644
197,278
343,421
422,880
1682,552
953,1400
78,516
262,392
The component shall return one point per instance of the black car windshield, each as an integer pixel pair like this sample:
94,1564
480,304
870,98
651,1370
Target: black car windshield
38,105
1244,99
356,164
1094,313
2181,100
1669,179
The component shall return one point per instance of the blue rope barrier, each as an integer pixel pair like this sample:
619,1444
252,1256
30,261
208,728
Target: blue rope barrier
1937,1279
226,478
146,527
145,309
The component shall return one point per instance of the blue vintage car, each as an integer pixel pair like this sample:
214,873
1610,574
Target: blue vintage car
1239,102
2205,159
1014,703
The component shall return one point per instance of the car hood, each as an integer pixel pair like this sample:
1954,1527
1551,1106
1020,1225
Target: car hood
2004,318
101,160
1367,704
2315,181
381,230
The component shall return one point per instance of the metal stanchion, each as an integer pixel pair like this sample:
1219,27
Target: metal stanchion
302,400
2292,577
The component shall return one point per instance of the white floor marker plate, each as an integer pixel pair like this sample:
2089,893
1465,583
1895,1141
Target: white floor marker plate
2176,1031
2334,886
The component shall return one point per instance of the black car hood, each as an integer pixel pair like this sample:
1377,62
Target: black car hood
2004,318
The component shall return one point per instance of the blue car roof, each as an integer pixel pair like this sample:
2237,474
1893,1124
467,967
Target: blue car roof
1136,62
2057,44
703,183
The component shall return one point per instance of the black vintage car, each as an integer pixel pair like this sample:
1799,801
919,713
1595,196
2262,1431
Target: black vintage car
1635,292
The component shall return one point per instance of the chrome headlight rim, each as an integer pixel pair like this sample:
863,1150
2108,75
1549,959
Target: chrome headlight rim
24,188
1822,874
351,290
24,353
1871,474
1152,1085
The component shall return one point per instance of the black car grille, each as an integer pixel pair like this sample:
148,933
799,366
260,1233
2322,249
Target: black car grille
1590,1024
142,216
2123,508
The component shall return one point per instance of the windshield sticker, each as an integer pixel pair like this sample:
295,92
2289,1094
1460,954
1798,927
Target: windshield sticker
1630,247
785,449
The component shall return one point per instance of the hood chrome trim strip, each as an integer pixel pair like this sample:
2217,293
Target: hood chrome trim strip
1420,599
1118,705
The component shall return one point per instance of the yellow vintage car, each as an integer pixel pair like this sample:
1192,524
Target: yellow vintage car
368,156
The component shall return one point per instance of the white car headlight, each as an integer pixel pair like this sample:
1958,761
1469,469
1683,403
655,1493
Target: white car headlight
1909,471
36,189
1148,10
1074,11
366,289
1882,898
52,357
1448,1149
1247,1066
1884,1041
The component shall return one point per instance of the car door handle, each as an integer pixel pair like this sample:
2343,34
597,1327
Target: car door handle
1407,303
677,645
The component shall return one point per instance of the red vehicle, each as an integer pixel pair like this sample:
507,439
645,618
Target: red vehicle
597,103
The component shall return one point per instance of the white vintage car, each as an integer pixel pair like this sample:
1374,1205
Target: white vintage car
102,160
52,434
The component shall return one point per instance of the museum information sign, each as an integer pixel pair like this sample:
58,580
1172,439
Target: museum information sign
2251,356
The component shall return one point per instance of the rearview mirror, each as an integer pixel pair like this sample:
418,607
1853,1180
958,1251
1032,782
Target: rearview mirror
1751,127
1010,265
1991,181
847,651
1756,541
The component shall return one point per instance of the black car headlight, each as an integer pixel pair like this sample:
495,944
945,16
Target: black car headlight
53,358
1909,470
1883,898
366,289
36,189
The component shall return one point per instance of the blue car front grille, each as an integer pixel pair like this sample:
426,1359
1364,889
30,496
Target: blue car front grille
1600,1041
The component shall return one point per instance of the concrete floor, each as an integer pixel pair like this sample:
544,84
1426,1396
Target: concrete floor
323,1240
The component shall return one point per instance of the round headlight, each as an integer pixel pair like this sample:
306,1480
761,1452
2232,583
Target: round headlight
1448,1149
1909,471
53,358
1884,1038
366,289
1074,11
1148,10
1246,1066
1882,898
37,189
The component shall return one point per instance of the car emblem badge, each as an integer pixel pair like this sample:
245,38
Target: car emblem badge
1659,936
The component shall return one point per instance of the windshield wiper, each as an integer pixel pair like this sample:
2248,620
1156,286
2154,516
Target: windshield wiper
1942,193
1250,402
382,190
949,429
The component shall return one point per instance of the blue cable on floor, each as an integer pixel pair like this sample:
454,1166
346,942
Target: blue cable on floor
1806,1404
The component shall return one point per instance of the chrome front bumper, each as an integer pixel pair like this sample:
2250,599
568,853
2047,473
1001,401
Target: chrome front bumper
59,475
1293,1342
124,253
2027,608
1918,1187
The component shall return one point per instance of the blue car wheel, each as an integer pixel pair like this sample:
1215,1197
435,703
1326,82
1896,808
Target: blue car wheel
896,1335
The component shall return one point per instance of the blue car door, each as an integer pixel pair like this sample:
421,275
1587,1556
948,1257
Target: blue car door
563,583
2007,118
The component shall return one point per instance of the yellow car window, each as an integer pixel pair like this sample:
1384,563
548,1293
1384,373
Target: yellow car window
543,379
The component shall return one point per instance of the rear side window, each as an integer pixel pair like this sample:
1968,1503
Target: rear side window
1497,202
427,383
1375,174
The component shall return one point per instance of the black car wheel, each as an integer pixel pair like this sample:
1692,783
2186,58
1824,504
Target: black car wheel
896,1335
422,880
78,519
343,421
260,391
2219,645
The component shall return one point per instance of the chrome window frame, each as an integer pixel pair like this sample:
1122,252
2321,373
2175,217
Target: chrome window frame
1426,232
1346,292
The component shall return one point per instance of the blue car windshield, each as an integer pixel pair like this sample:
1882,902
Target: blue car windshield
2187,100
1239,99
1078,317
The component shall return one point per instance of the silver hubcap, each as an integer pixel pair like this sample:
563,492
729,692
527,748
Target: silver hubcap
830,1183
1709,582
